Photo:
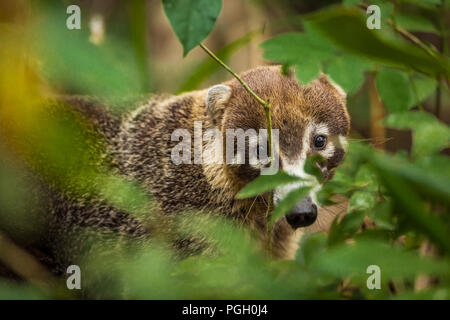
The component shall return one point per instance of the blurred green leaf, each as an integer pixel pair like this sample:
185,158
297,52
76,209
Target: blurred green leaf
71,62
352,260
382,216
306,71
414,23
429,134
312,166
425,3
310,246
421,89
437,165
192,20
295,47
305,51
426,182
394,89
404,182
124,194
361,200
266,183
10,290
365,177
348,72
349,3
400,92
289,202
138,25
337,23
209,66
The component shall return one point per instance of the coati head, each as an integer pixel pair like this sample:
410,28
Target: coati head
311,119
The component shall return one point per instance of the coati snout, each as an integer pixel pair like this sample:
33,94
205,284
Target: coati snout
304,214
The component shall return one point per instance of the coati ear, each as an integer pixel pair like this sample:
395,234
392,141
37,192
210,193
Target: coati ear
328,81
216,99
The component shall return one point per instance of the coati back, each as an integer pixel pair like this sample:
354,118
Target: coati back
138,146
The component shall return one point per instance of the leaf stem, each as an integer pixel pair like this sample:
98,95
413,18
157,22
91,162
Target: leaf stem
212,55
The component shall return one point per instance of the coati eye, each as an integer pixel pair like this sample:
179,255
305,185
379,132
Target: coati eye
320,142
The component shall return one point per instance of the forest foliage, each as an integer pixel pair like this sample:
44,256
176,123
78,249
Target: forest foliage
398,202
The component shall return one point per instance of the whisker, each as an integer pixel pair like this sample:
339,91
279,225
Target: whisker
248,212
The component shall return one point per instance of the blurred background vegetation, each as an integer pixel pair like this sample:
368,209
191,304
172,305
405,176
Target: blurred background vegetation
395,177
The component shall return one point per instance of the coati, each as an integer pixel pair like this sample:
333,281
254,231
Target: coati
310,118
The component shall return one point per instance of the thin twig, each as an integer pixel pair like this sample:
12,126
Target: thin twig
212,55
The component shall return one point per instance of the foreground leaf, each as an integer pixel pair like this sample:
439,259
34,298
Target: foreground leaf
338,23
394,89
429,134
345,261
192,20
289,202
266,183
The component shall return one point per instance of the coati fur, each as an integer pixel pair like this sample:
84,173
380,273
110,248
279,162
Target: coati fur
138,146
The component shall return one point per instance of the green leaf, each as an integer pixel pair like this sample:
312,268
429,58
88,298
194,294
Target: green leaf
429,134
421,88
289,202
425,3
413,22
404,182
311,166
382,216
304,51
295,47
437,164
352,222
349,3
394,89
266,183
352,260
192,20
209,66
346,27
361,200
307,71
70,61
366,178
400,92
348,72
138,21
311,245
431,183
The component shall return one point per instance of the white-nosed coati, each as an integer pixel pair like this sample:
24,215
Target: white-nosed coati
311,119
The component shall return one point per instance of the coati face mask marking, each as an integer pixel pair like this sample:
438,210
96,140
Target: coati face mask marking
311,119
